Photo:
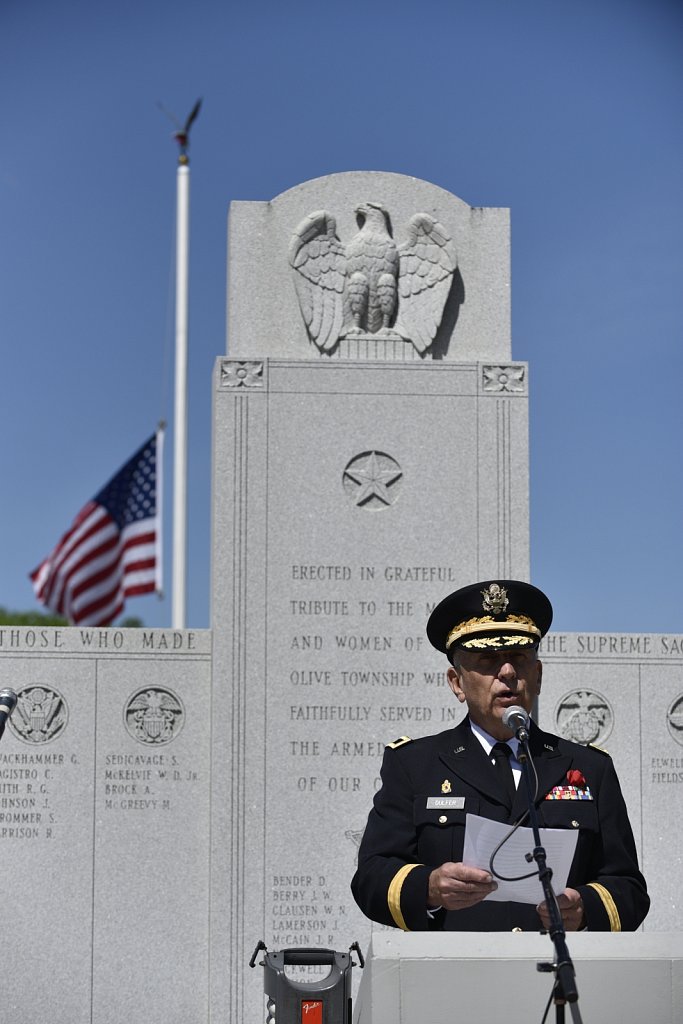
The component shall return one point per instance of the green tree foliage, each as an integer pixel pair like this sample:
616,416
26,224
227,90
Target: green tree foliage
12,618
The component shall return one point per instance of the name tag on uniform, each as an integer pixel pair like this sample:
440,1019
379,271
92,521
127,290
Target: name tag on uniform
449,803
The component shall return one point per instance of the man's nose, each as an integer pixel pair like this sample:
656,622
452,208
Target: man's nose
507,671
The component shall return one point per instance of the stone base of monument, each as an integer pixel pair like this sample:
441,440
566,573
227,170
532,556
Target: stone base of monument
483,977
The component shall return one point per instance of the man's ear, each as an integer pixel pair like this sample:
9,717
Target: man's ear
540,676
454,683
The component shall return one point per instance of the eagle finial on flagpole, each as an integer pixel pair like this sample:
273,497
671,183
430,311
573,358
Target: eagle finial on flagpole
182,134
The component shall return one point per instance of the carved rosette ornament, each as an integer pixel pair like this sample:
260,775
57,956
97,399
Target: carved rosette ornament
371,287
504,379
240,374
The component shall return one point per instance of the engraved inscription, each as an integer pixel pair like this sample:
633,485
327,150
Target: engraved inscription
31,639
376,659
303,905
26,782
666,770
145,782
26,639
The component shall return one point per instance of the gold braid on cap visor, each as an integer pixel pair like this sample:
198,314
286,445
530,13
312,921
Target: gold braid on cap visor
487,624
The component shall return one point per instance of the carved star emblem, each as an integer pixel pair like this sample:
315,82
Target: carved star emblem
373,479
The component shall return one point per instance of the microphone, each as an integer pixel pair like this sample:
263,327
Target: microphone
8,702
515,719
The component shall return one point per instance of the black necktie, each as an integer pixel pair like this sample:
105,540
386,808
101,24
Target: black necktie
500,756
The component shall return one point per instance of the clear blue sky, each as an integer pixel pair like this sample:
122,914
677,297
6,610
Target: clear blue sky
569,113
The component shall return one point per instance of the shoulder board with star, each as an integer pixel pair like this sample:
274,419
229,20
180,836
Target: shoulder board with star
400,742
599,750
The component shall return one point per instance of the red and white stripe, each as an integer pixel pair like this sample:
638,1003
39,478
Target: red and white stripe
94,567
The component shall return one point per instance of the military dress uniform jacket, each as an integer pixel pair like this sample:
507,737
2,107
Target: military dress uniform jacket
405,839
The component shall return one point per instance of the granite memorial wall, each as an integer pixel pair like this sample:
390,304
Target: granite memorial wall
624,693
104,825
360,473
170,798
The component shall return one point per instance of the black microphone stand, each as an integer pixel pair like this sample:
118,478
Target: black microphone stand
8,702
564,989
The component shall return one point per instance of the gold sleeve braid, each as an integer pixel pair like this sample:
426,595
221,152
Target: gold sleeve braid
609,904
394,895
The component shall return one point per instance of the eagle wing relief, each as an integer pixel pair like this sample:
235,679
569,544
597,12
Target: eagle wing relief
319,260
427,264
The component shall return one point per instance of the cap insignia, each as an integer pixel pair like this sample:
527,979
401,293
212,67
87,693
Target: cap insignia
445,786
495,599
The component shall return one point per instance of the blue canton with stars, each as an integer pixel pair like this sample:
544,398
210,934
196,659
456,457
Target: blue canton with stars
131,495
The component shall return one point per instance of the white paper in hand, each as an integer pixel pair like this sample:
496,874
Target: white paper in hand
483,835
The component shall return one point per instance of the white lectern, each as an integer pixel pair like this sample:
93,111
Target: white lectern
481,977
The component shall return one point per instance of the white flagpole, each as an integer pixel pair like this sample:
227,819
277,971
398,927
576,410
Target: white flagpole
159,582
179,589
179,584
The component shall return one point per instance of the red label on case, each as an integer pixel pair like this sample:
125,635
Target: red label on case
312,1011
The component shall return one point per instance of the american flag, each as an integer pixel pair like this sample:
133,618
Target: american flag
112,550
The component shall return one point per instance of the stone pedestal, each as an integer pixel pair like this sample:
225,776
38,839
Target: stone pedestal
356,482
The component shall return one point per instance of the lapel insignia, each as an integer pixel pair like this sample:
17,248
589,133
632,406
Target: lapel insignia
458,750
401,741
445,786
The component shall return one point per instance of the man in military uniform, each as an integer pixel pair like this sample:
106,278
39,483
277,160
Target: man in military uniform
410,872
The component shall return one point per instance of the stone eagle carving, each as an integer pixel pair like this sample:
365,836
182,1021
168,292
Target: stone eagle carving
371,286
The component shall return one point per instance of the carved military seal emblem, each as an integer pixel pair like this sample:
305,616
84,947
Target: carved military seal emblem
584,716
674,719
154,715
40,716
371,285
354,835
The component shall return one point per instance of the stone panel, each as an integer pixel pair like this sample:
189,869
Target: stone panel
104,821
622,692
349,497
